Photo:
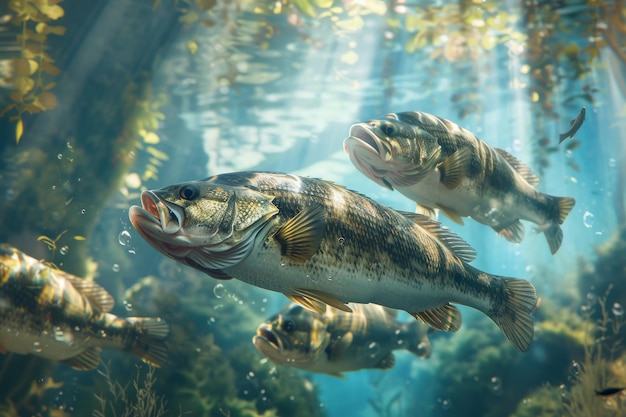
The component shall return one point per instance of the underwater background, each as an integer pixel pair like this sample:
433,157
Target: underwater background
101,99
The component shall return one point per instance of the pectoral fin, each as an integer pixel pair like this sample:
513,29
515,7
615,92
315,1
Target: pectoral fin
300,237
445,317
387,362
339,347
432,213
454,168
452,215
317,300
86,361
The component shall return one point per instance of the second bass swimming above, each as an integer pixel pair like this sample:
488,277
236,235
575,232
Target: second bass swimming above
440,165
320,244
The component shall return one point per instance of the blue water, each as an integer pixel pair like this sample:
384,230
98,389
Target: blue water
279,92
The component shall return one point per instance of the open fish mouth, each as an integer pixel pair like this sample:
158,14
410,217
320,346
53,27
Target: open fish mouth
369,154
160,223
267,336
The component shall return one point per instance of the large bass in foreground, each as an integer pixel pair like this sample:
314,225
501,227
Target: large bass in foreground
320,244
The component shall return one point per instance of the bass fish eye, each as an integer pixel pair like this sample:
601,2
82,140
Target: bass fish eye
189,191
387,129
289,326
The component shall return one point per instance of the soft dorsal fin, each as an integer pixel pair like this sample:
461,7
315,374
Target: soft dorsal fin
300,237
97,295
521,168
449,239
446,317
455,167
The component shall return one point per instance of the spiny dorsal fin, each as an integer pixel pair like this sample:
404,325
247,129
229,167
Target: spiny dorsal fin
387,362
449,239
97,295
455,167
320,297
521,168
89,359
445,317
513,232
300,237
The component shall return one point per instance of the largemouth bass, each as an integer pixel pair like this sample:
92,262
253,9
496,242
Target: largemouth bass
50,313
335,342
320,244
442,166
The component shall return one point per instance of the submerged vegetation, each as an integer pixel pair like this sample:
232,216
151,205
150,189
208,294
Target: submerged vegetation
56,185
33,69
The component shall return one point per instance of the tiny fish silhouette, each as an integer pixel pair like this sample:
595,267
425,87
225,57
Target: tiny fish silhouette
574,126
609,391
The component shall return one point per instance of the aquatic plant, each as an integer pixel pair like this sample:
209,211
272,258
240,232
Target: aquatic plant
118,401
33,69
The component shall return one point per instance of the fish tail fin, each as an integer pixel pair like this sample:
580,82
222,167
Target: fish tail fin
553,232
148,342
564,205
417,340
513,316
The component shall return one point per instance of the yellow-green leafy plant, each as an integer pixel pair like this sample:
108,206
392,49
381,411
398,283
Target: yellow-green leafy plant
34,67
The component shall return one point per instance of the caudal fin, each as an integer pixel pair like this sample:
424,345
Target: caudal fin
553,232
520,299
148,343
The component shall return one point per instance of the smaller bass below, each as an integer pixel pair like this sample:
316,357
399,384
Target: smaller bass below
336,341
442,166
50,313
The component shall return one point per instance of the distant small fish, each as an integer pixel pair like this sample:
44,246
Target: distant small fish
336,341
609,391
53,314
574,126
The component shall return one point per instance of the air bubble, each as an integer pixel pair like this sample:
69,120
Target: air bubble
588,219
495,384
37,347
115,268
373,348
124,237
219,291
64,250
446,403
341,240
617,310
128,306
60,156
83,211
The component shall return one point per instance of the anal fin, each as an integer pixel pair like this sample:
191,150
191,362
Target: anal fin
445,317
513,232
87,360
